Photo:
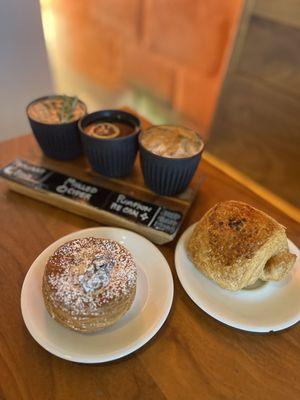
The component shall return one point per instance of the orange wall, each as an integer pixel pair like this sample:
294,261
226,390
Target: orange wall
176,49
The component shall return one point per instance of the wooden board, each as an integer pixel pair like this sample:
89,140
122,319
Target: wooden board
132,187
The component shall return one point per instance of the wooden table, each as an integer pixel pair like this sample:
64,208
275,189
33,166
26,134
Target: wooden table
192,356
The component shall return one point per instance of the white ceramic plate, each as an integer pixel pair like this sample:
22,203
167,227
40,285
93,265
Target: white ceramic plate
273,306
146,316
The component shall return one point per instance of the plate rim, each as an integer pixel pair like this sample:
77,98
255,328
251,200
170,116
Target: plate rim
197,301
129,349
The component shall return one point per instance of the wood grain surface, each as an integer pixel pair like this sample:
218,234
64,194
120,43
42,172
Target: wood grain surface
192,356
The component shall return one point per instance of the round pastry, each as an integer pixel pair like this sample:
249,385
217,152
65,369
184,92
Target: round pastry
89,283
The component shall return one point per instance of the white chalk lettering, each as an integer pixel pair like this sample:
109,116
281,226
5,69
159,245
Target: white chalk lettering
133,204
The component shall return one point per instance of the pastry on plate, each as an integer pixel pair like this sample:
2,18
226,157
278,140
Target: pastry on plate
235,245
89,283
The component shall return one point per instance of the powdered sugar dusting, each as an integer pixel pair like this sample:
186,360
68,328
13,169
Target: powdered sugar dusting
84,274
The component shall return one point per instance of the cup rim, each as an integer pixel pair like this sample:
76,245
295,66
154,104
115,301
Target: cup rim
49,97
172,158
136,130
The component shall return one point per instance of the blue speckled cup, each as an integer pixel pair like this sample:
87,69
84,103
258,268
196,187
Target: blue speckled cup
168,176
111,157
58,141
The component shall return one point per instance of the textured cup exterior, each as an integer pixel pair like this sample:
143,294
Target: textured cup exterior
167,176
61,142
58,141
113,158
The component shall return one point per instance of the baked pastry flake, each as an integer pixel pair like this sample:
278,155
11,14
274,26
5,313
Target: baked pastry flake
235,244
89,283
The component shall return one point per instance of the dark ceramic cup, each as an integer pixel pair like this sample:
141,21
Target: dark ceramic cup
111,157
59,141
168,176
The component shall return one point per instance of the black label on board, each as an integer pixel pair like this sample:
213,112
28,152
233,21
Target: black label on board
39,178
